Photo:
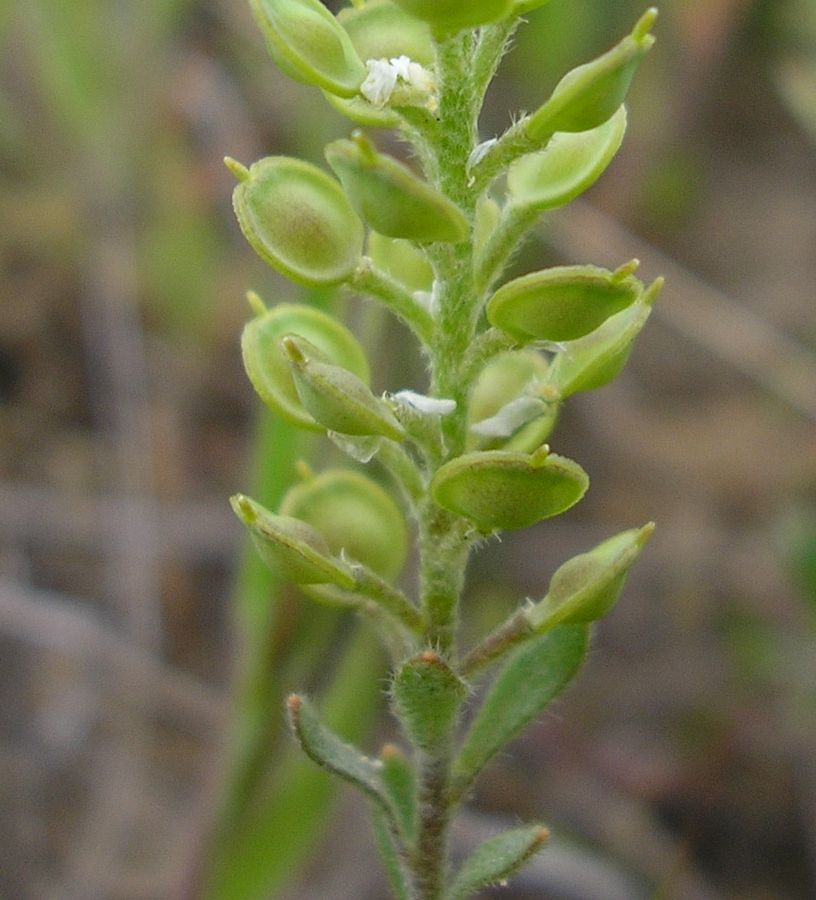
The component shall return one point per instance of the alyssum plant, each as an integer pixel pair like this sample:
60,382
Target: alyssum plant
469,458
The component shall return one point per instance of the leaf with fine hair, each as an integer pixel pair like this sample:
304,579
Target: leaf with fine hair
533,676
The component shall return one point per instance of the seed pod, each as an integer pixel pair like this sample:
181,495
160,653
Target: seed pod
499,489
335,397
390,198
523,6
595,360
562,303
586,587
488,214
297,218
268,368
401,260
507,378
291,548
589,95
309,45
446,16
568,166
380,30
355,516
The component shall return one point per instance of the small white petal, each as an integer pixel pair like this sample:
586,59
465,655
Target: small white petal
479,152
380,82
429,300
509,418
432,406
402,67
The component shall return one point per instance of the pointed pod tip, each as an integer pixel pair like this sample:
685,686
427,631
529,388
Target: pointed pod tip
542,835
624,271
239,170
256,304
291,350
654,290
539,457
244,508
645,533
645,24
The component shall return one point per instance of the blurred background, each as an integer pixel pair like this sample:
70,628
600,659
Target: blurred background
144,653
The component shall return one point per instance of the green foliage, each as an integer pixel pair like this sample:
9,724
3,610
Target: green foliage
469,457
531,679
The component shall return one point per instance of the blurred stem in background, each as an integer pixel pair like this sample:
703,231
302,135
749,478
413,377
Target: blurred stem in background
101,71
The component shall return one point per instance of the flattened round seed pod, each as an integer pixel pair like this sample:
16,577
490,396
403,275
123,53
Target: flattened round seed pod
297,218
569,165
498,489
401,260
507,377
335,397
268,368
354,515
309,45
587,586
562,303
445,16
588,95
291,548
596,359
391,199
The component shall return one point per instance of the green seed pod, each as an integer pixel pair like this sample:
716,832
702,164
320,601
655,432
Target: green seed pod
593,361
268,368
569,165
589,95
297,218
309,45
291,548
380,30
523,6
401,260
335,397
586,587
446,16
488,214
498,489
355,516
507,378
390,198
562,303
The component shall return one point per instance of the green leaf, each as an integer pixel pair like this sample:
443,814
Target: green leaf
532,677
327,750
335,397
562,303
588,586
309,45
497,859
392,862
399,782
501,489
267,366
427,696
598,358
297,219
390,198
402,261
569,165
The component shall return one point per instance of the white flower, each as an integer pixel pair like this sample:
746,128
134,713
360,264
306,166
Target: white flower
432,406
509,418
380,82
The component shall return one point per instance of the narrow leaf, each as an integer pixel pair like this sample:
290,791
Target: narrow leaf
533,676
497,859
392,862
328,751
399,782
